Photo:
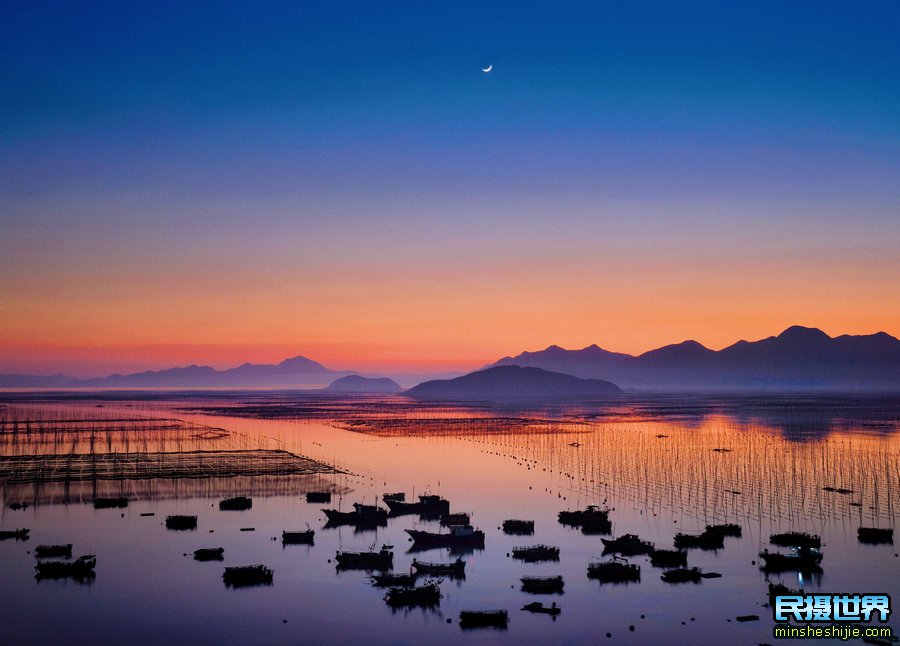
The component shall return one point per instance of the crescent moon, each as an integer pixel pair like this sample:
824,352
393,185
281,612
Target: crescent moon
488,68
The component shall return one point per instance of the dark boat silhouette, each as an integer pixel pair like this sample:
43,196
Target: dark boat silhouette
178,522
795,539
352,560
17,534
535,553
614,571
458,535
110,503
875,535
800,559
668,558
247,575
390,579
705,541
318,496
364,515
53,551
518,527
431,506
483,619
543,584
457,568
682,575
727,529
592,515
540,608
80,568
298,538
426,595
238,503
627,545
209,554
460,518
397,497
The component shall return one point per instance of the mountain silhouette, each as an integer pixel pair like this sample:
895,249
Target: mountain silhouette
513,383
800,358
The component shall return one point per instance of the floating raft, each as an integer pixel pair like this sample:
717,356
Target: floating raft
22,469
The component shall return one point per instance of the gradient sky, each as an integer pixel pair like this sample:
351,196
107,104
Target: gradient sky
229,181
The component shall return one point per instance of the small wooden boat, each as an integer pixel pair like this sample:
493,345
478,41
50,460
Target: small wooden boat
668,558
53,551
483,619
458,535
540,608
705,541
209,554
389,579
614,571
535,553
298,538
591,520
456,568
80,568
110,503
247,575
875,535
380,560
318,496
429,505
727,529
796,539
427,595
181,522
801,559
627,545
518,527
238,503
448,520
542,584
17,534
682,575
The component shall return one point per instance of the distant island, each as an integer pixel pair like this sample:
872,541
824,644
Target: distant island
359,384
513,383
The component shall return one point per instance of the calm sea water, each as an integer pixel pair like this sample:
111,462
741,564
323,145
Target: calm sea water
662,465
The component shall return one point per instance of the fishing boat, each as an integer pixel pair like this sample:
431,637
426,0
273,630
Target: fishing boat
518,527
461,518
181,522
458,535
668,558
209,554
389,579
591,516
456,568
704,541
247,575
535,553
396,497
627,545
726,529
614,571
53,551
318,496
426,595
110,503
238,503
429,505
17,534
801,559
82,567
875,535
361,515
298,538
796,539
542,584
380,560
540,608
483,619
682,575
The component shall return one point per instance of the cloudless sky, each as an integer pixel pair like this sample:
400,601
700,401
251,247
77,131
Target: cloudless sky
226,181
